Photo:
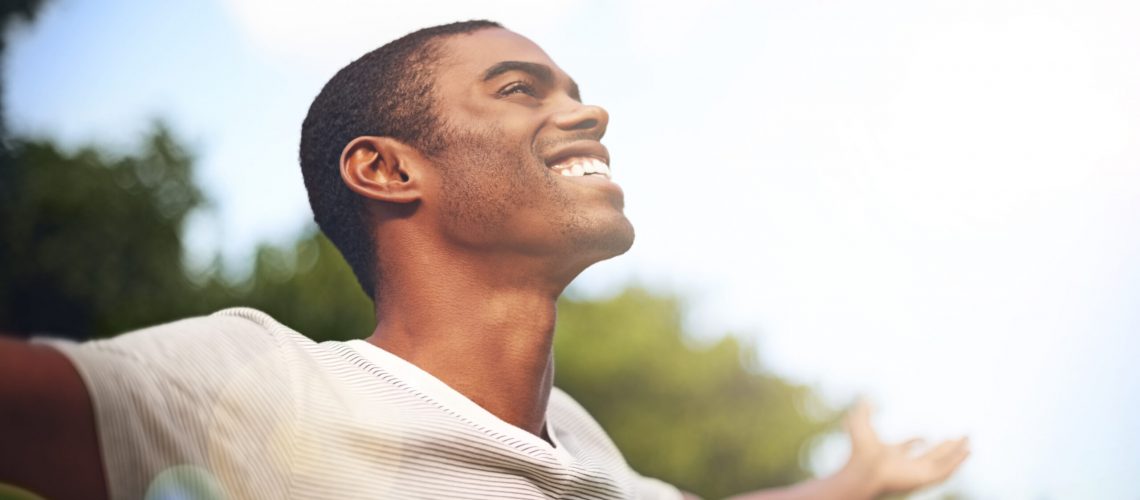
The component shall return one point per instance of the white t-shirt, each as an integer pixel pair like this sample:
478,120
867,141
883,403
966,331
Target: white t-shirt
235,405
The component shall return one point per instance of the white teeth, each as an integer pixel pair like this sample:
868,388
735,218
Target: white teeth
595,166
598,167
579,166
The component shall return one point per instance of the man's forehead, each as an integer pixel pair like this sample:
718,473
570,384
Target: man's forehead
474,53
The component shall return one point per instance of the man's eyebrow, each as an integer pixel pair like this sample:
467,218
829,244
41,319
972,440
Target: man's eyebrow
540,72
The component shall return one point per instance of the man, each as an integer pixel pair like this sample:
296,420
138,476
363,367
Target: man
463,179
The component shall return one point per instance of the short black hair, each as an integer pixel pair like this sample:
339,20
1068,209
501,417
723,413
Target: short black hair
388,92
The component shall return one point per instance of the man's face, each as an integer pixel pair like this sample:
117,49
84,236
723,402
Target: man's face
513,123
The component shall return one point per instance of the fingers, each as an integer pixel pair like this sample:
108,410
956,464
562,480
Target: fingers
950,462
907,447
944,450
944,459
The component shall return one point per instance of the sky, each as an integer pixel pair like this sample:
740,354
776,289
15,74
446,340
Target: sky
933,204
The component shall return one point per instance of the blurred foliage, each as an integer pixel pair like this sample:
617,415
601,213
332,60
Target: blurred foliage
87,235
307,286
93,248
696,417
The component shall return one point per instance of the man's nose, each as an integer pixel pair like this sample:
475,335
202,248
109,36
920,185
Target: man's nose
583,117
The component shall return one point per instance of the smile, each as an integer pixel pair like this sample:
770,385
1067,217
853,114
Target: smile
580,166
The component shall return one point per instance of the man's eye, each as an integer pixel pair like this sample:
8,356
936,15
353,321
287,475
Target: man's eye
519,88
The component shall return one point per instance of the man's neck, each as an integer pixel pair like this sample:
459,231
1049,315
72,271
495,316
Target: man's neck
491,342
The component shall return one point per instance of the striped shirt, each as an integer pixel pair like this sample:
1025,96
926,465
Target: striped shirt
236,405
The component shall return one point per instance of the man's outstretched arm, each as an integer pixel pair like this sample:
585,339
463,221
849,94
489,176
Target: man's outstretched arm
48,443
875,468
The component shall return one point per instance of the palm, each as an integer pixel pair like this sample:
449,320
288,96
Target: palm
895,467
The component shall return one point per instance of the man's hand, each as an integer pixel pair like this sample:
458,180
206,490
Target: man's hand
895,468
875,468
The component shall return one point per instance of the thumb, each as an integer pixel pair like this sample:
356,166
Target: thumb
858,424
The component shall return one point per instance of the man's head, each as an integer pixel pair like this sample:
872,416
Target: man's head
461,132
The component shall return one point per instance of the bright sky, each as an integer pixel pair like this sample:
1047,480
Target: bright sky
932,203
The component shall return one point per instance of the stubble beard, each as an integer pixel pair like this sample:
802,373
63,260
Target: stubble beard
486,181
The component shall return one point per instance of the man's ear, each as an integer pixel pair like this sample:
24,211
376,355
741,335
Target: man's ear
382,168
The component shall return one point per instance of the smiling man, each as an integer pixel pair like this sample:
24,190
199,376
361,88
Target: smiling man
462,177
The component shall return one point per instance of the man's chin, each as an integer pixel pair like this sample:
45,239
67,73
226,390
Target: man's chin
616,240
625,240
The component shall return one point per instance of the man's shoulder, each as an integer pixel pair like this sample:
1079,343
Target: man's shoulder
231,355
177,393
229,334
249,321
241,323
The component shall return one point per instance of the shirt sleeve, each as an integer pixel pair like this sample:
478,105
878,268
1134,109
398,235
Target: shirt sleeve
198,408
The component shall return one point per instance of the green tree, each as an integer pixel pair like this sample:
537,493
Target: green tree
699,418
308,286
92,241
